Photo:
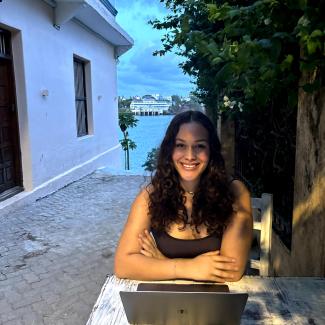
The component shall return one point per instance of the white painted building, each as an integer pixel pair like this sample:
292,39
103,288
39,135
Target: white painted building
58,96
150,105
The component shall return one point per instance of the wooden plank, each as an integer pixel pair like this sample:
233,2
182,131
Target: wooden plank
257,225
266,233
282,300
108,309
254,264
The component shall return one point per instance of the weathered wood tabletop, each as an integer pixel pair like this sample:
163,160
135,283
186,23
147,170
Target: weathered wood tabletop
282,300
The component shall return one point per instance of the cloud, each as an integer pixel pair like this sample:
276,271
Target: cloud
150,74
139,72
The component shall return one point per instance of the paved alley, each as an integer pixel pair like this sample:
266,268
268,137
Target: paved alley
56,252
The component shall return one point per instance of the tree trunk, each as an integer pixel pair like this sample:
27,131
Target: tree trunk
308,230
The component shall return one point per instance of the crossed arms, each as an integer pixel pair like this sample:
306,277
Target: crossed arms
137,256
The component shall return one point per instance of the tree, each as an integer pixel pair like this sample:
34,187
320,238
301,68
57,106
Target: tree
124,104
248,58
151,162
176,103
126,120
247,50
179,104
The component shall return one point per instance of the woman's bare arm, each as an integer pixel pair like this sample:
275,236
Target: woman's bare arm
237,238
131,263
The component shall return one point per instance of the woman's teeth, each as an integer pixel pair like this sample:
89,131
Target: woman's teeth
189,166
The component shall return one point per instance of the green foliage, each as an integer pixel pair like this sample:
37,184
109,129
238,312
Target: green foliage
181,104
151,161
124,104
247,58
127,143
252,51
127,120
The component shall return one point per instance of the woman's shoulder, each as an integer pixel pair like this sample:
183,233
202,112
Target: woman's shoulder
241,195
144,193
238,188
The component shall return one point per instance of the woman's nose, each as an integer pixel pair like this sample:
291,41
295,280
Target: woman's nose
190,153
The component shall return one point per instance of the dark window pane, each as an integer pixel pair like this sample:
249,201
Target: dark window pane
9,174
79,79
5,135
80,97
81,118
5,43
2,180
7,154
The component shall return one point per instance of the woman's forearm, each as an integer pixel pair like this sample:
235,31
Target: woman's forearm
139,267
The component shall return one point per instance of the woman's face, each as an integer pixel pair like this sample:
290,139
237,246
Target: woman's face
191,154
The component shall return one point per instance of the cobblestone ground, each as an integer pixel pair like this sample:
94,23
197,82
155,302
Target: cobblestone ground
56,253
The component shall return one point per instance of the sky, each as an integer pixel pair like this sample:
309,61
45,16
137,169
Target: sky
139,72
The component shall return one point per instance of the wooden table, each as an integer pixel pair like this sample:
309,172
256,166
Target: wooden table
271,300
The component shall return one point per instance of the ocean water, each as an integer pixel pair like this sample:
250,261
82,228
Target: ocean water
147,135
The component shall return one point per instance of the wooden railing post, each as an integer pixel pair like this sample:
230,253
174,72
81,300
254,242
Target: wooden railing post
266,233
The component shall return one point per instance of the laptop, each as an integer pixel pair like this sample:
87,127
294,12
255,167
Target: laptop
177,304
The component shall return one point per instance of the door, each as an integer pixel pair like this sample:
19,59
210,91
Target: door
10,165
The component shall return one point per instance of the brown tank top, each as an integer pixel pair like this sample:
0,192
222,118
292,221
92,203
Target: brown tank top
173,247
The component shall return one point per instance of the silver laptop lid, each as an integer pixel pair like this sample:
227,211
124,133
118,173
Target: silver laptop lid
183,308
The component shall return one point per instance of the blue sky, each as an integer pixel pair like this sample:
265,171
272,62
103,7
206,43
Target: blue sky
139,72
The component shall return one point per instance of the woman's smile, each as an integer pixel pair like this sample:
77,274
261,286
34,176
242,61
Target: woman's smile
189,166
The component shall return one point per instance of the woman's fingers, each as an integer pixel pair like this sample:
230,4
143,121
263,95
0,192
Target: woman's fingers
225,259
148,247
217,252
145,253
226,275
145,245
146,236
226,266
147,241
225,263
215,255
150,238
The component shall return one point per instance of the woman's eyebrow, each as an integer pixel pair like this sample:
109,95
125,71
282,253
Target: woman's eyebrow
202,140
199,140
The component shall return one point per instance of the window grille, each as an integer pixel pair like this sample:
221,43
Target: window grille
80,97
5,43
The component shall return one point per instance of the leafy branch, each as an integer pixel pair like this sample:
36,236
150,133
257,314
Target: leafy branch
127,120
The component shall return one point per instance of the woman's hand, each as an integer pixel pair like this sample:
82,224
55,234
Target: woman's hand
148,246
212,266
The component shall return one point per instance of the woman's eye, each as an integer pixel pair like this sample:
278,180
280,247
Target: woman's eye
200,146
179,145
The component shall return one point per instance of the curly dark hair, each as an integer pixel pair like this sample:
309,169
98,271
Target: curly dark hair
212,202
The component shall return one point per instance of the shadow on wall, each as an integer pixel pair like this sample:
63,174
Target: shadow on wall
308,250
307,256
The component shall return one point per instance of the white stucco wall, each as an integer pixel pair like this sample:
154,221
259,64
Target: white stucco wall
48,135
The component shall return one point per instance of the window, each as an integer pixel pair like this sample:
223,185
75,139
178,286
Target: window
80,97
5,44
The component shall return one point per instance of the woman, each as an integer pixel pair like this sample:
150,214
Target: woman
191,222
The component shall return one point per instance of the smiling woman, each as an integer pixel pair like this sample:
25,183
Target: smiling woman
191,221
